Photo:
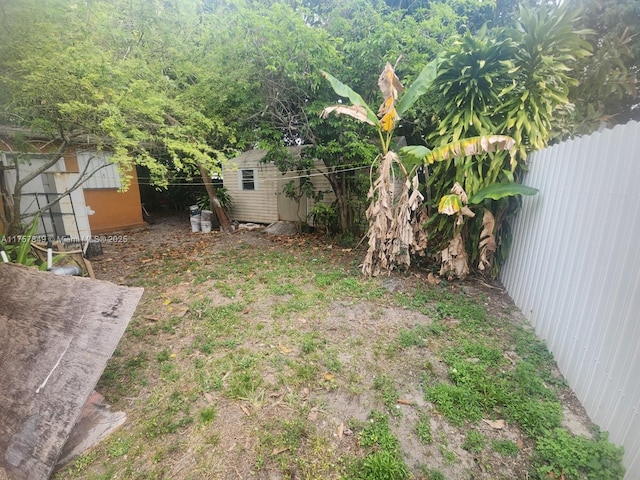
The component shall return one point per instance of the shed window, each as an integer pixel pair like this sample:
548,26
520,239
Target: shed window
248,178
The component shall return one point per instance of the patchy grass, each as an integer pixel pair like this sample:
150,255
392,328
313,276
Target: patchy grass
251,357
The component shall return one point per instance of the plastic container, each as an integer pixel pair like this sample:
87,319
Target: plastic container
66,271
205,225
207,215
194,210
195,223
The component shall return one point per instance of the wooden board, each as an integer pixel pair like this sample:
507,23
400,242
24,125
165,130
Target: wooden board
56,336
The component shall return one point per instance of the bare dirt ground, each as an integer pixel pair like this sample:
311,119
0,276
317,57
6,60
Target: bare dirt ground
242,442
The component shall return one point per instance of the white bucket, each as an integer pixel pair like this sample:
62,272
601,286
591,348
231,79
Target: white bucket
206,226
206,215
195,223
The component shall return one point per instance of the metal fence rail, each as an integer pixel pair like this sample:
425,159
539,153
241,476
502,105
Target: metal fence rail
574,271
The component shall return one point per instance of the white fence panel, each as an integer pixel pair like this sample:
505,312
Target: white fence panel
574,271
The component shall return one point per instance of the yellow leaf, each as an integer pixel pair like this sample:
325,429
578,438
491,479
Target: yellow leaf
388,121
386,107
284,349
167,301
450,204
328,376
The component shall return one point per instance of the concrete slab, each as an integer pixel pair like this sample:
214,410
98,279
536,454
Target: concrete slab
96,423
282,228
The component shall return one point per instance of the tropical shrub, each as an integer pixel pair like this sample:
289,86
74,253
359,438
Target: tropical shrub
513,82
396,212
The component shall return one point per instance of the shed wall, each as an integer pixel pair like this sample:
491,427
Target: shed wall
267,203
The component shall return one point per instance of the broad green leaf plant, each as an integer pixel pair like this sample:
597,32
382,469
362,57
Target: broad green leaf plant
396,212
454,258
510,81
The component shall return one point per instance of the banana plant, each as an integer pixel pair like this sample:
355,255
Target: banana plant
396,211
453,258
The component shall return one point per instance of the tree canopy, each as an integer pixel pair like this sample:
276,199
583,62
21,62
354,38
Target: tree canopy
180,85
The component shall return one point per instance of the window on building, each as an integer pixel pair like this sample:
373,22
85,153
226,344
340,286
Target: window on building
248,179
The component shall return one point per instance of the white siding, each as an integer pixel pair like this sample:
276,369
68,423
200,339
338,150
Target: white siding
106,177
574,271
69,217
261,205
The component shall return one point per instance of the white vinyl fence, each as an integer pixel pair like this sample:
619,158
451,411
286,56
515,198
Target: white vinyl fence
574,271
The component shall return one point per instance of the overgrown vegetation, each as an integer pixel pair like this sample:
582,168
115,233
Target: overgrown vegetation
178,87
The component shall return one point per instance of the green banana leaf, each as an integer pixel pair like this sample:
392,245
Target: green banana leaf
419,87
355,98
413,156
496,191
460,148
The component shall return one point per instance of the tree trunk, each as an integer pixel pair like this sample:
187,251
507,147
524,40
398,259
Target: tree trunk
343,205
7,216
225,224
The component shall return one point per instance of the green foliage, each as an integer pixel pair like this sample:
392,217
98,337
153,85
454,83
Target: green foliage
323,216
473,73
534,415
389,392
384,462
506,448
414,337
207,415
561,454
244,382
118,447
20,252
384,465
378,433
607,92
496,191
549,47
474,442
204,202
515,83
423,429
433,473
482,386
457,404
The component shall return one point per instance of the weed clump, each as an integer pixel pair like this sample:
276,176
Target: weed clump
559,454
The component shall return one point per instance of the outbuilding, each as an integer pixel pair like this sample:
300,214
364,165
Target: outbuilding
256,189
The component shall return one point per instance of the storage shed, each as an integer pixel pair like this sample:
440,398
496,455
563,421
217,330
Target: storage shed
256,189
